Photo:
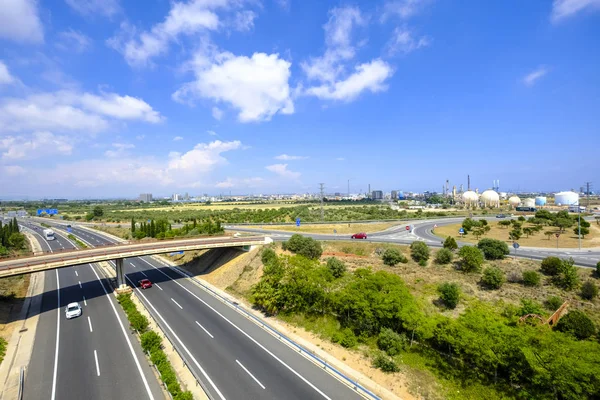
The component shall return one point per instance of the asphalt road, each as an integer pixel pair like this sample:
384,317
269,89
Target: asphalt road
95,356
234,357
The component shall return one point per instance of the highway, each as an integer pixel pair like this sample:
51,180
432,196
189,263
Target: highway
234,357
94,356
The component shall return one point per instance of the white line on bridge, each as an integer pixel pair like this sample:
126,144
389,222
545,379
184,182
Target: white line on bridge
144,274
248,372
84,301
81,287
97,365
204,329
176,303
90,322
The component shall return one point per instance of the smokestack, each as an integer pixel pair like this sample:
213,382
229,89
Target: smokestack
468,182
369,196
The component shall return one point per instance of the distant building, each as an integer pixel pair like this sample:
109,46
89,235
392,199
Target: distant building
394,195
146,197
338,194
186,197
377,195
175,197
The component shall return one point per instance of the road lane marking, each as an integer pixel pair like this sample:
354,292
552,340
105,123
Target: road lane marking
84,301
57,337
156,284
248,372
204,329
176,303
81,287
243,332
97,365
132,264
137,362
76,274
180,342
90,322
144,274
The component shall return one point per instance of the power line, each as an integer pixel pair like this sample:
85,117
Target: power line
588,186
322,185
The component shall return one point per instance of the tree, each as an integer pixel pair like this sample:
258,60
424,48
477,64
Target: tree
576,323
268,256
504,224
563,223
531,278
305,246
589,290
98,212
567,277
132,226
529,306
391,342
515,234
493,278
392,257
548,234
598,269
336,266
528,231
521,218
583,228
471,259
551,266
449,294
16,240
553,303
419,252
444,256
450,243
493,249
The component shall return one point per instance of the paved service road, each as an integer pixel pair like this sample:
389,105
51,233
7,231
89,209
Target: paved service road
95,356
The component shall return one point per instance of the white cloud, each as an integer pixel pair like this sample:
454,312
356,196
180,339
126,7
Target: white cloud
284,4
531,78
217,113
33,146
235,182
403,9
177,138
286,157
19,21
403,41
256,86
72,111
340,159
562,9
12,170
212,133
119,150
5,76
73,41
244,20
106,8
369,76
281,170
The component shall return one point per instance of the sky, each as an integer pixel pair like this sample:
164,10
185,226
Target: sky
112,98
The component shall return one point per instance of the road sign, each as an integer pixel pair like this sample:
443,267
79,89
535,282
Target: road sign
297,221
69,230
461,231
407,227
435,226
557,234
335,231
515,245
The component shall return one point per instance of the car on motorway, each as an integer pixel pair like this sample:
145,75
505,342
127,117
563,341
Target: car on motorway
501,216
145,283
360,235
73,310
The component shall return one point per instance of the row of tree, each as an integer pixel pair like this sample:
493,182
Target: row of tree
162,229
10,237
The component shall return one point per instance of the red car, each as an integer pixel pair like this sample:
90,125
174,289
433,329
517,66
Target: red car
361,235
145,283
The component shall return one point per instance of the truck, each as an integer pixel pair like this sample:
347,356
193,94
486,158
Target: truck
48,234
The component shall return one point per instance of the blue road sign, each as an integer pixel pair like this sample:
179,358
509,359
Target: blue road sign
335,231
177,252
40,211
297,221
516,245
461,231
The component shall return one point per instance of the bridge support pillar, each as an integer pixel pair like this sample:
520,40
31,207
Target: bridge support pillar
121,284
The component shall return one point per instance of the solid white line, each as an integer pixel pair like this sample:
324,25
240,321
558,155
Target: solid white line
90,322
132,265
97,365
204,329
180,342
144,274
156,284
80,284
76,274
84,301
248,372
53,396
176,303
137,362
244,333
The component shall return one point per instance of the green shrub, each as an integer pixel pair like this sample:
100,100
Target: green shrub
345,337
531,278
151,341
3,344
598,269
444,256
551,266
391,342
336,266
471,259
392,257
493,278
385,363
529,306
268,256
589,290
138,322
577,324
553,303
449,294
305,246
174,388
493,249
159,358
187,395
567,277
450,243
419,252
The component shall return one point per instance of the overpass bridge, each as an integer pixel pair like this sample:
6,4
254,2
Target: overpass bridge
67,258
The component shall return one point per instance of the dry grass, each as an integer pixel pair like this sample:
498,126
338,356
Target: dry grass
566,240
124,233
349,228
13,291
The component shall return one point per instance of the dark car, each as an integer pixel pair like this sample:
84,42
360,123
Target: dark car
360,235
145,283
500,216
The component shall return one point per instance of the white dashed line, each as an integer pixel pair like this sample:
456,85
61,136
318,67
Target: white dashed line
176,303
204,329
132,265
84,301
76,274
156,284
144,274
81,287
97,365
248,372
90,323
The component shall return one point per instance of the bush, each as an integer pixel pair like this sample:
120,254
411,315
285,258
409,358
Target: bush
551,266
576,323
305,246
471,259
449,294
151,341
444,256
345,337
336,266
450,243
589,290
268,256
531,278
391,342
567,277
493,278
385,363
553,303
138,322
392,257
493,249
598,270
530,307
159,358
419,252
187,395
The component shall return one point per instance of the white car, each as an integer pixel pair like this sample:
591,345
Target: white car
73,310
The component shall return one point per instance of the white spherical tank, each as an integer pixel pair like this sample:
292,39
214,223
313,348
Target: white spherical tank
514,201
490,198
470,197
529,203
540,201
566,199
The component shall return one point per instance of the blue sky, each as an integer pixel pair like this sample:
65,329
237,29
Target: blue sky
107,98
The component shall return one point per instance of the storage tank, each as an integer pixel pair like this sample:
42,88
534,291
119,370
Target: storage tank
540,201
470,198
514,201
490,198
529,202
566,199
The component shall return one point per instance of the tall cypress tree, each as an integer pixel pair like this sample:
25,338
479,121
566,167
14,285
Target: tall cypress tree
132,226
